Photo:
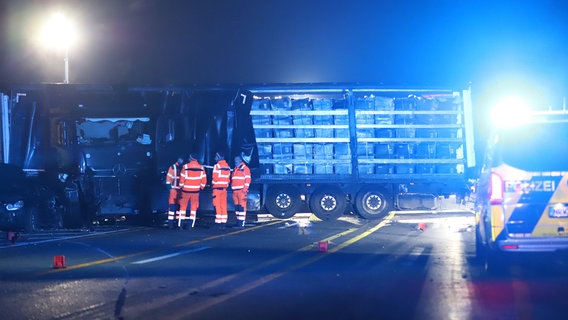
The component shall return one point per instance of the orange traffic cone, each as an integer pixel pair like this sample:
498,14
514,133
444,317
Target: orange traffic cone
322,246
58,262
12,236
422,226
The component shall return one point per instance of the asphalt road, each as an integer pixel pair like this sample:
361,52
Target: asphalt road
276,269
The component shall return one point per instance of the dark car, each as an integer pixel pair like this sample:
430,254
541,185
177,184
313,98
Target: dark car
16,207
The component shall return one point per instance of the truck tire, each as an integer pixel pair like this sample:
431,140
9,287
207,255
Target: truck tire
72,216
328,203
283,202
30,219
373,203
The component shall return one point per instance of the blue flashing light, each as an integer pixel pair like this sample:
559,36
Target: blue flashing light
510,112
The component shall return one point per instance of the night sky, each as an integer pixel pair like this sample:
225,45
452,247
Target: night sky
394,43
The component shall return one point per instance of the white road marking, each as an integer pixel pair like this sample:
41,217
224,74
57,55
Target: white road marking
167,256
413,256
53,237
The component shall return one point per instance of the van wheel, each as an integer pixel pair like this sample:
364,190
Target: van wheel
373,203
494,262
328,203
479,248
283,202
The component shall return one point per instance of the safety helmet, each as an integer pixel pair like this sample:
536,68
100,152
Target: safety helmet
246,158
219,156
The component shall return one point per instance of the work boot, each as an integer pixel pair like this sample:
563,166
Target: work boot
170,224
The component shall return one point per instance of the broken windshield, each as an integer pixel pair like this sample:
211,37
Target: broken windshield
103,131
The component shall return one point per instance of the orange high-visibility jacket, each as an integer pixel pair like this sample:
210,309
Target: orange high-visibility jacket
172,178
241,177
221,175
193,177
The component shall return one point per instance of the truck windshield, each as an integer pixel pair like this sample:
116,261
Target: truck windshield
535,147
102,131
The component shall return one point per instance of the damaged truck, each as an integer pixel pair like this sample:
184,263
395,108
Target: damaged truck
96,152
101,153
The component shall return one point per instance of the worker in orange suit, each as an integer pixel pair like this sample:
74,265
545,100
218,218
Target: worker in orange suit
192,180
219,183
172,180
240,182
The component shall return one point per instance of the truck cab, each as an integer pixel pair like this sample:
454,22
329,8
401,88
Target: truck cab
91,146
101,152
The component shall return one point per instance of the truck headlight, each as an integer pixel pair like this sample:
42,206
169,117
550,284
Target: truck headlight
15,206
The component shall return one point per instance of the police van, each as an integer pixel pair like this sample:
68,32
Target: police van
522,193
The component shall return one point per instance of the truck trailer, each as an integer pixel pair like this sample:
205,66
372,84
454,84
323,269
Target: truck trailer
367,148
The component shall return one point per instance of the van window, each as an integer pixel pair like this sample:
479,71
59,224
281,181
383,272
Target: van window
534,147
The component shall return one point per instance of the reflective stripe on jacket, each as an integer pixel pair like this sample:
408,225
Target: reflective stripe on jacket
241,177
193,177
221,175
173,175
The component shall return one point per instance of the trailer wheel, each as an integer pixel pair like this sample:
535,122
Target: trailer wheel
283,201
328,203
372,203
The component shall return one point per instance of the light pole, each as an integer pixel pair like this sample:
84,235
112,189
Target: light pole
66,79
58,33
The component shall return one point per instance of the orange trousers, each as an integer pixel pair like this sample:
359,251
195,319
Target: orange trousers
191,198
173,203
174,196
240,200
220,204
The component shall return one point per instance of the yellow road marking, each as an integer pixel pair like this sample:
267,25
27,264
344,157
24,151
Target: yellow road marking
245,288
228,234
194,309
135,254
364,234
217,282
270,262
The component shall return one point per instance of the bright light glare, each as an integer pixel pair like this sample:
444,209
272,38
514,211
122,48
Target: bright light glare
58,32
510,111
496,195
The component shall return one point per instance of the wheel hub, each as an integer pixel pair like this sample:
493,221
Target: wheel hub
374,202
283,201
328,203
